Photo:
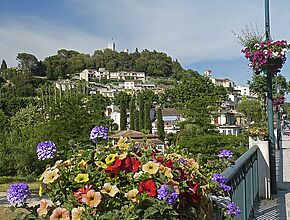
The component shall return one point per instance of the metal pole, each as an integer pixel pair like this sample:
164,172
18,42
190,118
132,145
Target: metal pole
270,109
278,121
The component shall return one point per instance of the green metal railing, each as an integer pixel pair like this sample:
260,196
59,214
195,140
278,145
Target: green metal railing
244,180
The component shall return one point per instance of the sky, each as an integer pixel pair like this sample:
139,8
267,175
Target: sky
198,33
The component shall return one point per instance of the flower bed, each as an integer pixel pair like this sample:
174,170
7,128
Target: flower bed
126,180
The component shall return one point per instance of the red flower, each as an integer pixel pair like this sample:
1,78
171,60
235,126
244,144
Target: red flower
114,169
157,159
79,194
148,187
132,164
168,163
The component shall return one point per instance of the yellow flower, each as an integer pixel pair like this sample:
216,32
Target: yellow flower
110,158
122,144
123,156
60,214
92,198
42,175
57,164
101,164
76,213
168,173
40,192
82,163
132,195
150,167
43,208
193,163
109,189
50,176
82,178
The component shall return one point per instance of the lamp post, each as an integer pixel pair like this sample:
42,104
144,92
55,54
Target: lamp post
278,115
269,72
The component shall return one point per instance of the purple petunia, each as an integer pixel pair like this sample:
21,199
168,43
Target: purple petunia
168,193
181,160
225,154
46,150
18,193
218,178
225,187
99,132
221,180
137,146
233,209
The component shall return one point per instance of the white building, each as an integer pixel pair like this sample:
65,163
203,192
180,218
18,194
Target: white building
131,85
102,73
243,90
112,46
113,112
90,75
65,85
171,119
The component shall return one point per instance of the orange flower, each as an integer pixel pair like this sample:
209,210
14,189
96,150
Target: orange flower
43,208
92,198
60,214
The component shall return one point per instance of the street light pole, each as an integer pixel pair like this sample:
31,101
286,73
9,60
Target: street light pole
269,73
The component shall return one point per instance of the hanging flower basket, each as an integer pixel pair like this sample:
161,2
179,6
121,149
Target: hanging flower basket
267,55
279,100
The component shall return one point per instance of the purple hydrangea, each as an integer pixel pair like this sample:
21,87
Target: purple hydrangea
46,150
18,193
218,178
168,193
233,209
225,154
99,132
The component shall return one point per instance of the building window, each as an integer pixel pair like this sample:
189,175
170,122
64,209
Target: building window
224,132
229,131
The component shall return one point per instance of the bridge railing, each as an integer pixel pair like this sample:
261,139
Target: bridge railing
243,177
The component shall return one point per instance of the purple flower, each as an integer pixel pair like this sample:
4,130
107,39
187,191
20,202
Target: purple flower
225,154
218,178
18,193
99,132
46,150
137,146
233,209
168,193
225,187
181,160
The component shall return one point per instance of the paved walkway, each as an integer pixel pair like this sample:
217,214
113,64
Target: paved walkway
279,207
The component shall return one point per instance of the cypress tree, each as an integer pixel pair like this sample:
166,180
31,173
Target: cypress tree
141,112
160,125
3,65
136,120
132,108
147,121
123,116
49,74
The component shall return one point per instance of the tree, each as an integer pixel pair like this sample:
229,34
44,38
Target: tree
132,109
147,120
136,120
160,125
252,110
123,115
141,112
196,98
3,65
27,62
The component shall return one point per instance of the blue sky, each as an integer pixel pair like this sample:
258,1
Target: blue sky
197,33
